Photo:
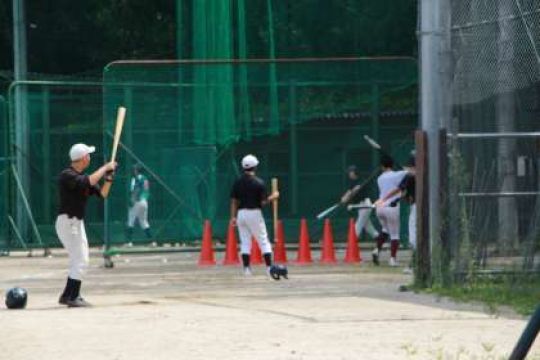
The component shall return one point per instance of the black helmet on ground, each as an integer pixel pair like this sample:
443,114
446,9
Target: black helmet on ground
278,271
16,298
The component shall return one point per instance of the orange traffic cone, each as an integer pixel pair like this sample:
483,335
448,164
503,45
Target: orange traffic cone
231,248
207,252
352,255
304,250
256,255
328,255
280,253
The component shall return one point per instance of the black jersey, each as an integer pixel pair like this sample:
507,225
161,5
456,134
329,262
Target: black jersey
360,195
75,189
250,192
408,188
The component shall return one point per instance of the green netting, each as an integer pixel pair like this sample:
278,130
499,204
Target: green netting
189,124
304,119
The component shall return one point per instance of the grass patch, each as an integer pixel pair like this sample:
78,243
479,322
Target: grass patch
520,293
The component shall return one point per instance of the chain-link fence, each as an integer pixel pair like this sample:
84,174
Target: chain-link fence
493,212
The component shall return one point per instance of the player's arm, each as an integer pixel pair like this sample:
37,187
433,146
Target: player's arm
104,191
350,193
345,198
268,199
234,210
234,203
100,173
388,196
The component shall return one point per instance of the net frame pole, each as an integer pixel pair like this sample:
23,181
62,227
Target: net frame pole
20,123
434,41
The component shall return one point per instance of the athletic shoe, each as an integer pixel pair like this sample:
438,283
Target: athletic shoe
393,262
375,256
247,271
78,302
63,300
407,271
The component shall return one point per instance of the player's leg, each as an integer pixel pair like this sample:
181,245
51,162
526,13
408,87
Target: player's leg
371,230
412,236
382,216
82,256
393,229
412,227
363,221
63,231
245,240
142,216
132,216
73,236
258,229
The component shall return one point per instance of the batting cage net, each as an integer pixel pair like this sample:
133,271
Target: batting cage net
189,123
3,176
492,211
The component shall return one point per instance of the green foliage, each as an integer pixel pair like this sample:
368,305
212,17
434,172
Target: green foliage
522,293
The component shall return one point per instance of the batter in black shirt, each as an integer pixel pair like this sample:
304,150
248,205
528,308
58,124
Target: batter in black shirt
248,196
75,189
249,191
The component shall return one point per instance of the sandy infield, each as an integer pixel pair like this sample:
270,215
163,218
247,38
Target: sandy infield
162,306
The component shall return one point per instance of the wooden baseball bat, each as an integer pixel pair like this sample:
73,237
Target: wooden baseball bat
120,116
275,207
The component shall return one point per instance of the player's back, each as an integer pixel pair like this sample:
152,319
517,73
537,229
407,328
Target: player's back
388,181
250,191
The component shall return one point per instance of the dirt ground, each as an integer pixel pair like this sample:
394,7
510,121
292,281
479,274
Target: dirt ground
162,306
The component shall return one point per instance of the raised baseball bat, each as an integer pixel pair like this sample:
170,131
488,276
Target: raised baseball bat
120,116
275,207
375,145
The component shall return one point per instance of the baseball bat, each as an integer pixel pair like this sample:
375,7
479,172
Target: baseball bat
358,206
120,116
325,212
275,207
375,145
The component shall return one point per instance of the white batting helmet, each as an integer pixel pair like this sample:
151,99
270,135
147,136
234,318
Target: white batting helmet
249,162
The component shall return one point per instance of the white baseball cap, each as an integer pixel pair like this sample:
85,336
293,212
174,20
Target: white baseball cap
78,151
249,162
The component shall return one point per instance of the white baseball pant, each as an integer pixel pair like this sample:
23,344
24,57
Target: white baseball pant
139,212
389,218
364,222
72,235
250,224
412,226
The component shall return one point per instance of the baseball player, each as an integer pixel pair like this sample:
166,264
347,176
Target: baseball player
407,189
388,212
354,195
248,196
75,188
139,189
